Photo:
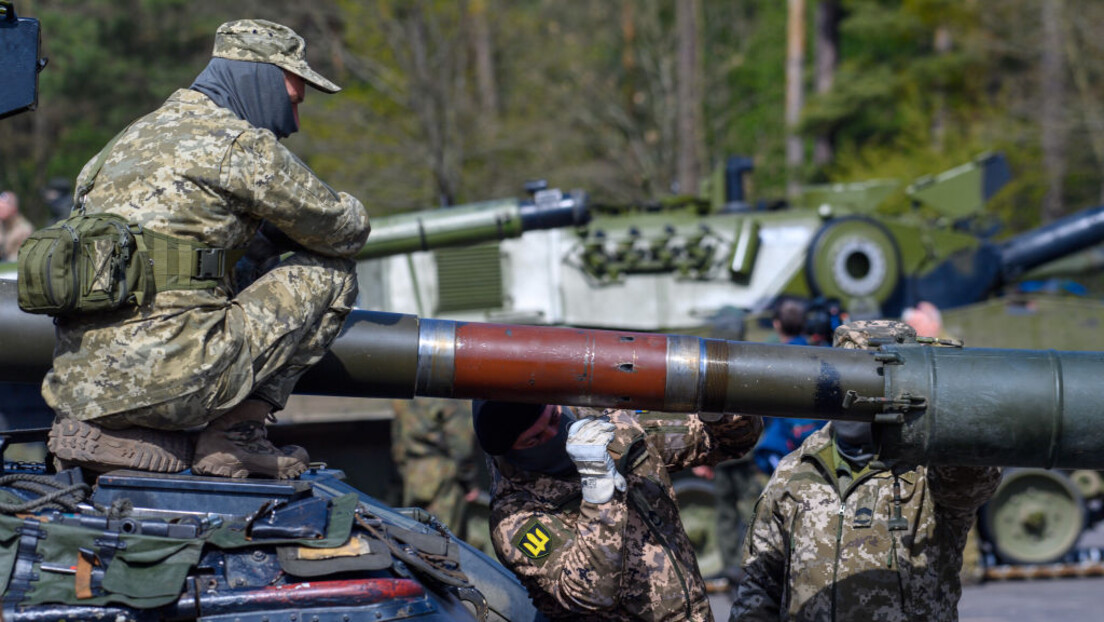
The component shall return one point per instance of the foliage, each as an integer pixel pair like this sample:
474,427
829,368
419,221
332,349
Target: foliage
457,101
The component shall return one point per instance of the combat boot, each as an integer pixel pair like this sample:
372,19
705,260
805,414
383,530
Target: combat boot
236,445
96,448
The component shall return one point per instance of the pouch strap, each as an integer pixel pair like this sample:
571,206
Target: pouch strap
86,187
185,264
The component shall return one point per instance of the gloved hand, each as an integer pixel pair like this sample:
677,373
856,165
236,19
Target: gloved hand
587,440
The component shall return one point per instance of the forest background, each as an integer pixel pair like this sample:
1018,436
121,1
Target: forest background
453,101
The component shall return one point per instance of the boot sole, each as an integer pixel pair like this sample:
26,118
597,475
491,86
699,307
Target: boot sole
88,445
238,471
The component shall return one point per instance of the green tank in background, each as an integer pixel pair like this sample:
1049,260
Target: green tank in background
674,264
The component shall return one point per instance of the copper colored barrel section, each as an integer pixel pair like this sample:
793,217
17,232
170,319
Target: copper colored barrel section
560,365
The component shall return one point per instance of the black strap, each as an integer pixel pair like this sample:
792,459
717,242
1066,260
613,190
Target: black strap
26,557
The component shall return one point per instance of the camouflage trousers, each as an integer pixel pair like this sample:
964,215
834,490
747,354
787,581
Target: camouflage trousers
738,484
431,483
285,322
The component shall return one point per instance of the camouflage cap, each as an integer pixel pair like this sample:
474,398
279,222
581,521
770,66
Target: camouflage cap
858,335
262,41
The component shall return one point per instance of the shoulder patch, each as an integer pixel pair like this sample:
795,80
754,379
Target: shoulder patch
535,541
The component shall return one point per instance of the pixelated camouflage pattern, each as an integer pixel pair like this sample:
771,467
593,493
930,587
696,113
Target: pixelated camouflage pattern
262,41
193,170
626,559
433,445
869,334
811,555
814,554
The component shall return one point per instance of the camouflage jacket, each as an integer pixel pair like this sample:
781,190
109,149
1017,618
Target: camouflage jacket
629,558
193,170
811,555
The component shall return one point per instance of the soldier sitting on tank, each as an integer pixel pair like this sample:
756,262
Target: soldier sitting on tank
582,508
203,172
839,535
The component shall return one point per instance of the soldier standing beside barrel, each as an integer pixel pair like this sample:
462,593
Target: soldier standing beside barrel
839,535
582,508
198,177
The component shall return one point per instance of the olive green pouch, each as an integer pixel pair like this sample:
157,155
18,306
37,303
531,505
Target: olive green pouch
87,263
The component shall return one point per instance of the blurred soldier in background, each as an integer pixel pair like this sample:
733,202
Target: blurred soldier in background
14,228
58,197
840,535
433,445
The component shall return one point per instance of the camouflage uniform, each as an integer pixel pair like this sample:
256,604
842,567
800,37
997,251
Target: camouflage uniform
432,443
628,558
796,570
194,170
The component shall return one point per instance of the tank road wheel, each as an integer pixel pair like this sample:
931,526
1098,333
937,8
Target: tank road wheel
697,503
1035,517
853,258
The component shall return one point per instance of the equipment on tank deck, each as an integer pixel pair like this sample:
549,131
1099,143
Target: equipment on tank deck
673,264
22,60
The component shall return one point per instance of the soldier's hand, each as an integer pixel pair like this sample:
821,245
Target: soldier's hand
587,440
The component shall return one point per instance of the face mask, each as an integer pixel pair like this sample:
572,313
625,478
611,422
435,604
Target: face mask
855,441
550,457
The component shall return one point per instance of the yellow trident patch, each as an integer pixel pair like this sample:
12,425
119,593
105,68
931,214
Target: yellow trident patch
535,540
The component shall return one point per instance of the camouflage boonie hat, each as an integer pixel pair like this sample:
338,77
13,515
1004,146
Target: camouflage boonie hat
858,335
262,41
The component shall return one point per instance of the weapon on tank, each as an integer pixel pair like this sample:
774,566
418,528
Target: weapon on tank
473,223
929,404
672,264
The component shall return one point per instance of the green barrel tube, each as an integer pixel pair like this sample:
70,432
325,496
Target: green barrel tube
997,407
473,223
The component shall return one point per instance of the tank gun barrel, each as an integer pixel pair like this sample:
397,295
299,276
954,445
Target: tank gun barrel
935,405
1062,237
474,223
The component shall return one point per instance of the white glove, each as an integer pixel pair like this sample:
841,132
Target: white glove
587,440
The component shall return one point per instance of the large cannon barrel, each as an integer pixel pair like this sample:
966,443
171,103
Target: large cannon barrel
1058,239
929,404
474,223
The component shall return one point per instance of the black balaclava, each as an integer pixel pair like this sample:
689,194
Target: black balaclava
255,92
855,441
550,457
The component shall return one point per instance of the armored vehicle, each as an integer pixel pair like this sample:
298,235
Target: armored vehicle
674,264
177,546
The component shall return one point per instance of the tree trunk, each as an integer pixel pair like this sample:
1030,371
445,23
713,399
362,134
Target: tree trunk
795,96
484,59
942,44
1053,95
689,95
827,59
